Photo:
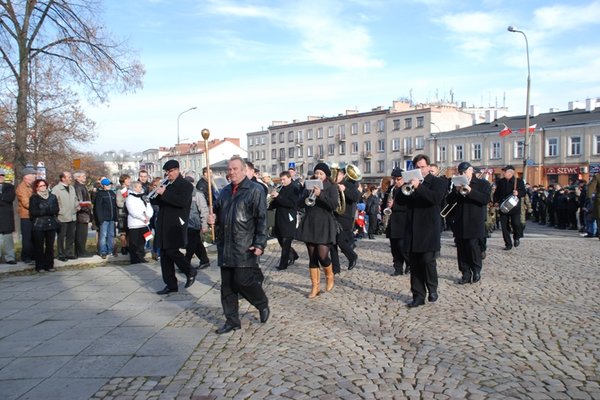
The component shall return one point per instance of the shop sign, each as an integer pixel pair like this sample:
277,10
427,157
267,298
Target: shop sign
563,170
594,168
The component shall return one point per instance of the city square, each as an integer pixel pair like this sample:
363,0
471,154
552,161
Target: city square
527,330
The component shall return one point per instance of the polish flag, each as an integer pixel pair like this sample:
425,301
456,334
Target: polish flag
506,131
148,235
531,129
124,192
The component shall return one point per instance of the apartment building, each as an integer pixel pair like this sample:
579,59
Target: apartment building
375,141
564,146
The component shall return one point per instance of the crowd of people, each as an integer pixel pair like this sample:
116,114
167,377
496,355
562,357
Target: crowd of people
328,212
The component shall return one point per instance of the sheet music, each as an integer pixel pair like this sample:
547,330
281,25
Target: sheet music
412,174
460,180
309,184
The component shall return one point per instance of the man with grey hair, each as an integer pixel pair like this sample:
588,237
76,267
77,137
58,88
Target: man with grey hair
68,206
84,214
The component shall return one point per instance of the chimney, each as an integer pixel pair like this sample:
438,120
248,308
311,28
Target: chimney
488,116
534,110
590,105
463,104
573,105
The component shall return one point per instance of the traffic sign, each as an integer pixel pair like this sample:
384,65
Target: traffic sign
292,164
409,165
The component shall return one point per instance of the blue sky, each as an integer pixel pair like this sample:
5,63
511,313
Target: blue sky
245,63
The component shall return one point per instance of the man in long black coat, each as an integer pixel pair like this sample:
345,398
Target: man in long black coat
506,187
468,224
174,201
7,219
285,203
345,238
423,237
241,216
396,227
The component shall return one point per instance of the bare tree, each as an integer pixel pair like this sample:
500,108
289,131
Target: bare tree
66,33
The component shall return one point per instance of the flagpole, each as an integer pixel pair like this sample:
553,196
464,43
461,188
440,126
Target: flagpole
205,135
527,141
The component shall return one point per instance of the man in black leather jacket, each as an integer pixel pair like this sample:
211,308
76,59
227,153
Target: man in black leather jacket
241,216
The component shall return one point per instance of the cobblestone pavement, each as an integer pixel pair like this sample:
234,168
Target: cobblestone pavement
529,329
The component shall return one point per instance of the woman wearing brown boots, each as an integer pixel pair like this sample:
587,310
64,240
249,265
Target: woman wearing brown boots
318,227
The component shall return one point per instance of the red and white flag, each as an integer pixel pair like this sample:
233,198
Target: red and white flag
148,235
506,131
124,192
531,129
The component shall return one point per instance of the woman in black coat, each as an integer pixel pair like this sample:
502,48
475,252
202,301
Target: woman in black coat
319,228
43,210
285,203
372,210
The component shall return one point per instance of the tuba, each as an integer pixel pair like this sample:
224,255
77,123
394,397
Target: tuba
353,173
335,170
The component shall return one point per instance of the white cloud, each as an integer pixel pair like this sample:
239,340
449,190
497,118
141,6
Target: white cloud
560,18
469,23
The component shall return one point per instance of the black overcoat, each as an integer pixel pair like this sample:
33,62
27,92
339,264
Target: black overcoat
504,188
396,228
352,195
470,210
319,225
423,212
285,206
7,210
173,214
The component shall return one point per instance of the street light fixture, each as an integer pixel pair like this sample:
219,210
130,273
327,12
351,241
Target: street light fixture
527,140
435,137
179,116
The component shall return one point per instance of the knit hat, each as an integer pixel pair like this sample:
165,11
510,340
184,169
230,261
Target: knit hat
28,171
397,172
323,167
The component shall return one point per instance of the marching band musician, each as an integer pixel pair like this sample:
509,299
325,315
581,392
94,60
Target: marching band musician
505,187
345,238
285,203
468,223
318,228
396,227
423,236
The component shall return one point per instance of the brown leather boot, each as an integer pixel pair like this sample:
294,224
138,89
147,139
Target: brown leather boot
328,277
315,279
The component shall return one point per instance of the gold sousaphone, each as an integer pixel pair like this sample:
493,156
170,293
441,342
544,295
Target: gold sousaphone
353,173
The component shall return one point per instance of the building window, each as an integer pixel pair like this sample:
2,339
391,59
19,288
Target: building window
263,155
330,131
281,137
290,136
519,146
575,146
367,145
420,122
354,128
309,134
476,151
396,164
367,127
331,149
381,145
273,138
396,144
274,154
458,152
367,167
321,151
407,145
381,125
299,137
320,133
596,144
263,139
419,143
342,131
251,142
291,152
396,124
407,123
495,151
354,148
257,156
552,147
300,151
380,166
342,148
282,154
309,151
273,169
441,154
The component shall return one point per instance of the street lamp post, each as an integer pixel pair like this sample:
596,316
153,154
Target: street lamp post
179,116
527,141
435,137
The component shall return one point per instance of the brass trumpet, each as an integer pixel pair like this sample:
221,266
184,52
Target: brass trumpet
388,210
165,182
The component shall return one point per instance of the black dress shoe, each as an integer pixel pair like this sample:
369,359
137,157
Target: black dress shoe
483,255
264,314
72,257
190,280
415,303
227,328
517,243
204,265
397,272
280,268
476,278
464,280
507,248
432,297
352,264
63,259
167,290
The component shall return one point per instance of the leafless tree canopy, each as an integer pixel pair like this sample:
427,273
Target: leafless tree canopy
65,39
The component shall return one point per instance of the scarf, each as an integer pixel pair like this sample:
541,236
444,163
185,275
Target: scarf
140,196
44,194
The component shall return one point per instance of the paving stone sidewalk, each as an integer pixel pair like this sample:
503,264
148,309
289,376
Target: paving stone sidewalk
529,329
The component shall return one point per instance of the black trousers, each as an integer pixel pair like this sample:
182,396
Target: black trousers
468,253
242,281
515,227
65,245
398,253
137,245
423,274
43,249
81,233
168,259
195,245
287,251
27,251
344,241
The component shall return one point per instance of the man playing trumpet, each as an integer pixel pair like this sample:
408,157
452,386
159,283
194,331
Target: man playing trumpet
468,224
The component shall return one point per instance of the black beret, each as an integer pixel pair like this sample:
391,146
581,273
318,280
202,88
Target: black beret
170,165
397,172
